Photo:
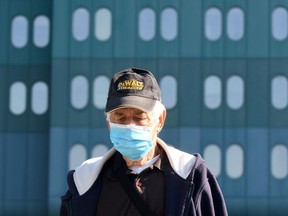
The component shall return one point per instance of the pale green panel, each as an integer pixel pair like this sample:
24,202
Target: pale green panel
213,117
258,23
235,111
125,30
235,45
169,44
81,48
214,47
147,48
171,67
40,55
279,48
79,116
103,48
190,28
61,28
19,55
278,115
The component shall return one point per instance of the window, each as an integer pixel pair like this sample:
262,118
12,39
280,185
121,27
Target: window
279,94
169,24
18,98
235,24
77,155
212,157
99,150
80,24
19,31
212,92
235,92
79,92
168,85
279,161
100,91
103,24
234,161
39,98
147,24
213,24
41,31
280,23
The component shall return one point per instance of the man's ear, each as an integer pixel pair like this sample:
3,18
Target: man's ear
162,119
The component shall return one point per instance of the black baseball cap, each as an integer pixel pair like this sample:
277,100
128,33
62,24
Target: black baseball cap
134,88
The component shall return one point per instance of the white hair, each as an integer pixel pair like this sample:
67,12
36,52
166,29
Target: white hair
158,109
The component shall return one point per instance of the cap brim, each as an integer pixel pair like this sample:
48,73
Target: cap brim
141,103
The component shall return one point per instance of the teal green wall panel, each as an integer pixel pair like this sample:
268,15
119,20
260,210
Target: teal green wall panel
278,207
258,31
259,94
5,33
125,29
3,97
61,29
190,29
60,94
259,206
190,93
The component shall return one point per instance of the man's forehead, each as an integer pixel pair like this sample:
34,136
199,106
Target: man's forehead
128,110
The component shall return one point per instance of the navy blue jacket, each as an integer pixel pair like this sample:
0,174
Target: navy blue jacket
199,194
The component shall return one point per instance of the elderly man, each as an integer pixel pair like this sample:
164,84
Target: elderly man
141,175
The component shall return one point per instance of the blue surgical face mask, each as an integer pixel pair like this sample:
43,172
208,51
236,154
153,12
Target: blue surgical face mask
132,141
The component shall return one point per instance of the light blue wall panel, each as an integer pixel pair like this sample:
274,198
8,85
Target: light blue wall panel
190,139
58,168
278,187
257,159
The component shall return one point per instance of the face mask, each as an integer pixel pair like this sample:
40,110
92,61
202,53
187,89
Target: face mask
132,141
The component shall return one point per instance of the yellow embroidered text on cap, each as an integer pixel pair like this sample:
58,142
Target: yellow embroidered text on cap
130,85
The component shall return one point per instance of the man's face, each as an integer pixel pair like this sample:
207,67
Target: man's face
131,116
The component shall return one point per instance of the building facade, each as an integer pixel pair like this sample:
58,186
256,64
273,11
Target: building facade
222,68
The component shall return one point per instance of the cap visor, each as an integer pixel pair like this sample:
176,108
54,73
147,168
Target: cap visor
141,103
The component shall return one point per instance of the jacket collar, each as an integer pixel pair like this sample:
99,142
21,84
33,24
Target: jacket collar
86,174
